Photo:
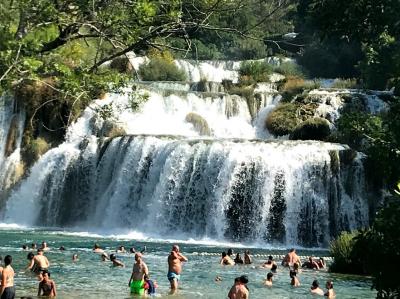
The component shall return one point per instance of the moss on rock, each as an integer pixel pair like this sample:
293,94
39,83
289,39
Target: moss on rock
199,123
283,120
315,128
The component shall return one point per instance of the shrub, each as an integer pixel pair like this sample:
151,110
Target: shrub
255,71
160,69
342,249
395,82
315,128
290,68
122,65
283,120
345,84
34,149
199,123
293,85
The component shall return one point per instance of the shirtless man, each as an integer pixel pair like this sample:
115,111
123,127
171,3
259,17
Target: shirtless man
226,260
47,287
268,281
97,249
44,246
39,262
136,282
330,293
175,260
239,289
7,290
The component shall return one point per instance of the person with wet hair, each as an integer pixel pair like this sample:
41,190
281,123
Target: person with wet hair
247,257
274,268
229,252
330,293
97,248
47,287
238,259
226,260
239,290
315,289
7,289
115,261
268,282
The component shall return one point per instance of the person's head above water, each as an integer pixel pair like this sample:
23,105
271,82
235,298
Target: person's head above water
270,258
112,257
243,279
329,284
175,248
269,276
274,267
7,260
30,256
40,251
223,254
138,256
315,284
230,251
96,246
292,250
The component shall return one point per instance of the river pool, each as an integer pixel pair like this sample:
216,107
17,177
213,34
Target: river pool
91,278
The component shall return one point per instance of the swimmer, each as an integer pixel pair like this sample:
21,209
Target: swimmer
139,270
24,247
268,282
311,264
44,246
121,249
116,263
226,260
33,246
269,263
75,257
238,259
230,252
321,263
150,286
330,293
294,280
239,290
7,289
97,249
47,287
62,248
218,278
104,257
247,257
315,289
175,260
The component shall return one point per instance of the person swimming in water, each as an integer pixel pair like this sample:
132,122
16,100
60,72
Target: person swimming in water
330,293
247,257
311,264
238,259
269,263
116,263
47,287
75,257
268,282
226,260
175,260
274,268
97,249
315,289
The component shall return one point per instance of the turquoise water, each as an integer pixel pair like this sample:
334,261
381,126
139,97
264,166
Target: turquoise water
91,278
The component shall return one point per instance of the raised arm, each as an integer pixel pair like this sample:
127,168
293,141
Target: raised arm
182,258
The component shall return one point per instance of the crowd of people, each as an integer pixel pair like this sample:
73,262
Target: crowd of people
140,282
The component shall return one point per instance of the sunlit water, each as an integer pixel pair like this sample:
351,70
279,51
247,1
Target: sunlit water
91,278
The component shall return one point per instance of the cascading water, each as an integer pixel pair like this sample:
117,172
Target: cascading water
11,127
193,163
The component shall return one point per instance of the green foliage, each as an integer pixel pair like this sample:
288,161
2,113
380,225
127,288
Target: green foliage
255,71
283,120
34,149
160,69
345,84
315,128
290,68
292,86
343,250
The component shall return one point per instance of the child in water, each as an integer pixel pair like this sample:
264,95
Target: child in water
294,280
149,285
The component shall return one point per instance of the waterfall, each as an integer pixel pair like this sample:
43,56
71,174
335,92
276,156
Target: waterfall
194,162
238,190
12,121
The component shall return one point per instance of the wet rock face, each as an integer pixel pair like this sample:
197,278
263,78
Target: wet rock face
312,129
12,136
